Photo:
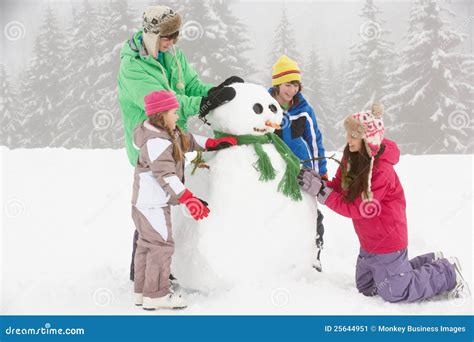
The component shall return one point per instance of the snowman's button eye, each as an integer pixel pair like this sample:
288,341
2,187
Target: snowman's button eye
273,108
258,108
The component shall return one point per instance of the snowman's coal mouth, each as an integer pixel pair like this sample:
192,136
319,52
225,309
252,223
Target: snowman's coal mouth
260,130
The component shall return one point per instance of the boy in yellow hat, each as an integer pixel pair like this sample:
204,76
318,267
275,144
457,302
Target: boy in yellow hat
300,129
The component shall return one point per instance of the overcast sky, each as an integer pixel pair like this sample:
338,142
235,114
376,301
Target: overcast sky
332,26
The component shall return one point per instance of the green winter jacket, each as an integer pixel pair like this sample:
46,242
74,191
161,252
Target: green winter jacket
141,74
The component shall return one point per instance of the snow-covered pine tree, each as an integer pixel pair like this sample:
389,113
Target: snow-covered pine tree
283,43
337,88
392,87
316,93
371,60
10,122
40,90
202,37
117,24
232,51
466,98
228,53
79,75
334,96
430,113
26,91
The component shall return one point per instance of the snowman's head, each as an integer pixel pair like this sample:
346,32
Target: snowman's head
252,111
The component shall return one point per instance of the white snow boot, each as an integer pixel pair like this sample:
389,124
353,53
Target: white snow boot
138,299
461,289
174,287
438,255
170,301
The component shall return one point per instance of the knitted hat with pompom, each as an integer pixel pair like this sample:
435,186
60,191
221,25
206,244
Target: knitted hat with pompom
369,127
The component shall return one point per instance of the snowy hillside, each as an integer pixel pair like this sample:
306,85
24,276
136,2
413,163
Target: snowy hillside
66,240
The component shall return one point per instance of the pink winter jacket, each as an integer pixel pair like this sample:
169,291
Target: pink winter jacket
381,225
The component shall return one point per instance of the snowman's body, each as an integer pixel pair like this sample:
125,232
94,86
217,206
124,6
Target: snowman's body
253,233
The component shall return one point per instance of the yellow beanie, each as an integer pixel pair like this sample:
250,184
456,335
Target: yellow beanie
285,70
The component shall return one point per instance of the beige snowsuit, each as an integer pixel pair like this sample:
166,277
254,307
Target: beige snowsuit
158,183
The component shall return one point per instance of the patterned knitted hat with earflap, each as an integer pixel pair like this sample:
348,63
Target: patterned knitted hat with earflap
369,127
159,21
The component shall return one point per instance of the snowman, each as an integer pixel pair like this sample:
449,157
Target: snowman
261,227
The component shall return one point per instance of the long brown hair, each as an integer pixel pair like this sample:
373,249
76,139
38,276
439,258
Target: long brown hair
355,172
158,121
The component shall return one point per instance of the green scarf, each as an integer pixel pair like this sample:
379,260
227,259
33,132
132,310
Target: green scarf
288,184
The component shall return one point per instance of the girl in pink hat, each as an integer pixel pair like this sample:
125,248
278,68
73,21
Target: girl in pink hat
158,184
367,189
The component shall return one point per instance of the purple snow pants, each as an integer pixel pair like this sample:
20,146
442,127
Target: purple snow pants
397,279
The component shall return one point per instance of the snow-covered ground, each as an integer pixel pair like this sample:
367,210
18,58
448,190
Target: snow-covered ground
66,240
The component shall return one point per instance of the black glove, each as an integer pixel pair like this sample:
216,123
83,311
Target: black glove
216,99
203,202
227,82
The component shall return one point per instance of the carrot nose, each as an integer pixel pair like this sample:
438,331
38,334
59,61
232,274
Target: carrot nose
269,123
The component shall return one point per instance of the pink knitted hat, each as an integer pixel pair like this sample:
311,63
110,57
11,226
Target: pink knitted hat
160,101
369,127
